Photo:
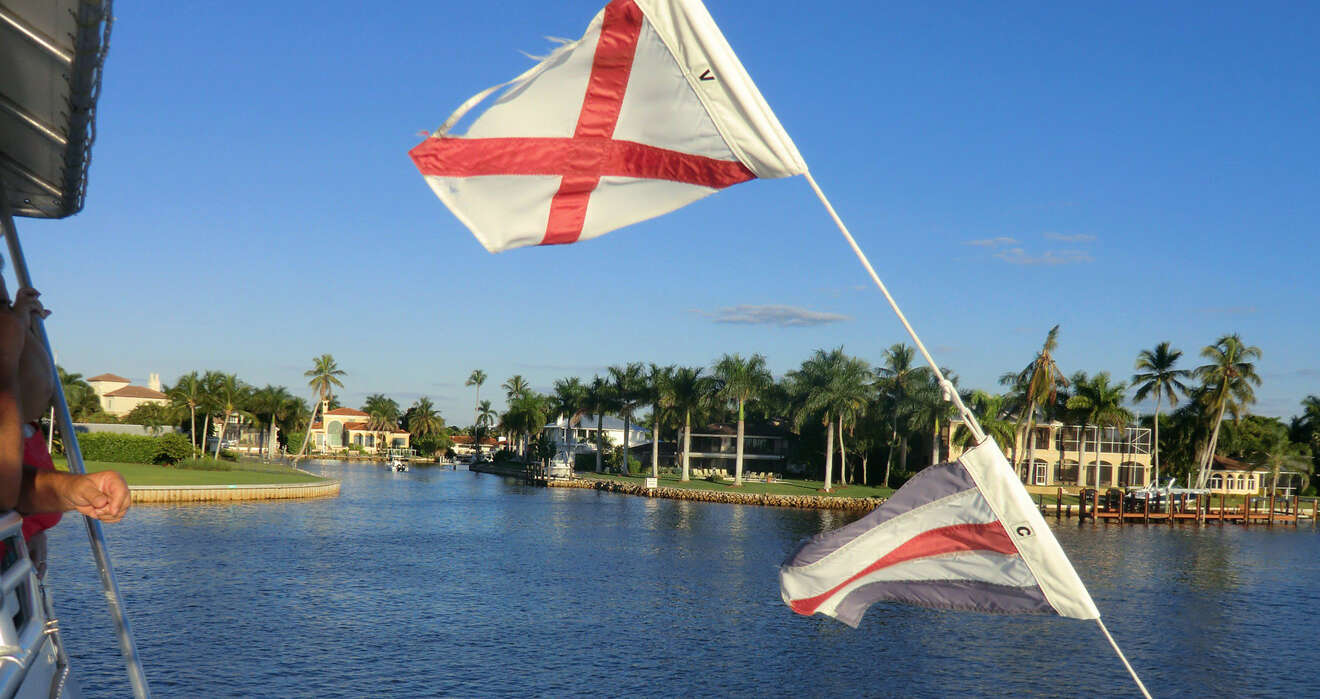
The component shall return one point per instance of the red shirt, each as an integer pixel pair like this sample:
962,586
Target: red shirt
36,456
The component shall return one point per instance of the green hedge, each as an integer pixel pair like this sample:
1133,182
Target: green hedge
134,449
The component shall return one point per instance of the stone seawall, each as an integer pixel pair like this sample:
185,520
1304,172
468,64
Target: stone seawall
815,502
146,494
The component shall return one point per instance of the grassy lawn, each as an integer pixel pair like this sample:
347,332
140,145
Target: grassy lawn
783,487
240,473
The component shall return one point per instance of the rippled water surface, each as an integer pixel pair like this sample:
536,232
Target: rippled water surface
455,583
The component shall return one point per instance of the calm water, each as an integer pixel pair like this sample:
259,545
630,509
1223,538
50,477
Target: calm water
454,583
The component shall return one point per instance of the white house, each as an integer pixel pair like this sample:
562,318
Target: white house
584,432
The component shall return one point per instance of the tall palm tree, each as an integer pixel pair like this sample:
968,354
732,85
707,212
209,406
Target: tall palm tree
658,392
599,399
382,418
1228,380
688,391
1281,455
899,379
79,394
322,378
570,401
187,392
741,380
209,404
1096,402
930,406
836,387
516,386
627,388
230,397
476,378
1042,380
1156,374
527,415
486,417
269,406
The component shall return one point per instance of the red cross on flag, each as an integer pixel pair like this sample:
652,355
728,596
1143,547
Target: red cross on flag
649,111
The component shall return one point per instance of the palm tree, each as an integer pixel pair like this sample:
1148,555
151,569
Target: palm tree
1096,402
230,396
1281,455
527,415
599,398
658,392
932,406
899,379
1228,381
837,387
570,401
627,386
382,418
187,393
486,417
688,391
1155,374
323,377
516,386
79,395
1041,380
991,410
476,378
270,405
741,380
424,419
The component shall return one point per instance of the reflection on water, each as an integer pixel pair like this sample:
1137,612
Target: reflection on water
438,582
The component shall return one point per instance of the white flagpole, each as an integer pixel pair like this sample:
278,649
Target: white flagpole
137,677
948,388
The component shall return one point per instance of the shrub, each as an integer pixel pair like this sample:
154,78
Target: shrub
715,478
504,455
119,448
172,448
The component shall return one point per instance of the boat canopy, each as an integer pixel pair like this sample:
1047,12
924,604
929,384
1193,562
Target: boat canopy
51,53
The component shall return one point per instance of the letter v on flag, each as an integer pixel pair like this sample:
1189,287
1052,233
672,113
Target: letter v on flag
962,535
649,111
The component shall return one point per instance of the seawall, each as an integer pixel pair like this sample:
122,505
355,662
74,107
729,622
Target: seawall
146,494
815,502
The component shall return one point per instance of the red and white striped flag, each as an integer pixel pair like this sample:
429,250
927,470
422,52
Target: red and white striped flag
649,111
963,535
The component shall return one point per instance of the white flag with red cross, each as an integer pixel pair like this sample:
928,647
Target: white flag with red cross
649,111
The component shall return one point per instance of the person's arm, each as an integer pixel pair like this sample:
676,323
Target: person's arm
14,325
102,495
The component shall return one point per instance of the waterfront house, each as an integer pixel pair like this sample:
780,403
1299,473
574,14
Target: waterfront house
1121,455
119,396
584,432
343,428
1232,477
765,447
465,444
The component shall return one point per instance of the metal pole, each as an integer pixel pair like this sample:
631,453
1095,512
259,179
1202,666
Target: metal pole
95,534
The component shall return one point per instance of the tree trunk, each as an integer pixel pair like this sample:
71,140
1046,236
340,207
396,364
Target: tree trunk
1081,458
627,428
1157,439
902,452
935,444
865,458
308,436
600,430
655,441
738,461
829,452
687,442
889,452
1031,449
1209,458
843,455
220,435
192,427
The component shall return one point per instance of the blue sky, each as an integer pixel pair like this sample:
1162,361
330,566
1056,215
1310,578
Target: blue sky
1133,172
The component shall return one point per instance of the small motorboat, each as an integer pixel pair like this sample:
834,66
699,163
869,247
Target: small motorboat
398,464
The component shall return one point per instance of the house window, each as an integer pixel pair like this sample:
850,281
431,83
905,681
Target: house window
371,441
357,439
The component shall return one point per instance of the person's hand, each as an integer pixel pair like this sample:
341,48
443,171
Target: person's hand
102,495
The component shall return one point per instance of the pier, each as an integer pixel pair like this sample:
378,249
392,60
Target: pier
1121,508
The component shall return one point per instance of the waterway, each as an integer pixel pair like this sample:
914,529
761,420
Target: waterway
452,583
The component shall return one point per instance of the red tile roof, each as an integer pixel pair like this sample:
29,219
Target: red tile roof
348,412
464,439
108,377
135,392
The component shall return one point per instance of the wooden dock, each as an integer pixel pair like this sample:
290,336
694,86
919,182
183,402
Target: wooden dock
1119,508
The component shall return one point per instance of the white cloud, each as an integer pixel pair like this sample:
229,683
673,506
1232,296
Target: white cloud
782,316
993,242
1073,238
1018,256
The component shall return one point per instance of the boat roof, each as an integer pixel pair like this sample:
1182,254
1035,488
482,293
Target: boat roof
52,52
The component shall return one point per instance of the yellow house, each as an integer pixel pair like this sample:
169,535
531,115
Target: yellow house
118,396
1082,456
343,428
1230,477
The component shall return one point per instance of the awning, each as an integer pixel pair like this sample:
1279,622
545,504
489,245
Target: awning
51,52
